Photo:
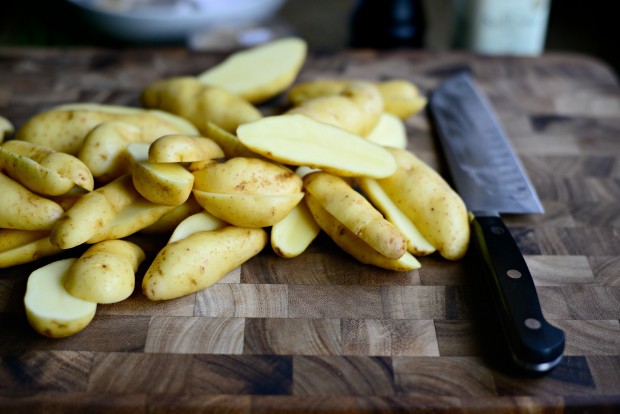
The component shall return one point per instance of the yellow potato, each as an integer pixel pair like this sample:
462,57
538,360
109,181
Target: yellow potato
389,132
400,97
261,72
104,149
416,243
6,128
22,209
63,128
228,141
50,309
24,246
169,221
183,148
105,273
202,221
356,213
248,210
92,212
355,246
247,176
200,260
194,100
296,139
357,108
160,183
292,235
430,203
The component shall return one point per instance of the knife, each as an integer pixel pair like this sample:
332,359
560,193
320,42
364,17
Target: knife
491,180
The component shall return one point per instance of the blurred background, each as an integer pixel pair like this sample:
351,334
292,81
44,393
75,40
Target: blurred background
525,27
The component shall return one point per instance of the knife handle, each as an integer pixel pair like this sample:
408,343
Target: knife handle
534,344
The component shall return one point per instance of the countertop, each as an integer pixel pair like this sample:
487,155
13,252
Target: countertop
321,332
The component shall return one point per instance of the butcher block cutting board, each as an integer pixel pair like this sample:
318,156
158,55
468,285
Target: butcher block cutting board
322,332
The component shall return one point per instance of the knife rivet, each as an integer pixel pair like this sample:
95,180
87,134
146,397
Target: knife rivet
497,230
533,323
513,274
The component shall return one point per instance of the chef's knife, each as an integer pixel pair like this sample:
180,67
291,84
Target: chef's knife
490,179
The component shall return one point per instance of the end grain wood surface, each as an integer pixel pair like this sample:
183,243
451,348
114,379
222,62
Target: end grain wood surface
321,332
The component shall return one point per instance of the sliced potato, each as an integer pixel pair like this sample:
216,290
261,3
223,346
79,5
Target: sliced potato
296,139
261,72
248,210
105,273
402,98
183,148
199,260
389,132
416,243
430,203
50,309
22,209
202,221
24,246
292,235
167,183
228,141
356,213
355,246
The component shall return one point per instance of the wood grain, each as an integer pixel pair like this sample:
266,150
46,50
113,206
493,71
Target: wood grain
321,332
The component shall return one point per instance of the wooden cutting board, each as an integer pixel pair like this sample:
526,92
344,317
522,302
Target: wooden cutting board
321,332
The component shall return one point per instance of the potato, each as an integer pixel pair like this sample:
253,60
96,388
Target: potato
63,128
400,97
247,192
261,72
22,209
169,221
357,108
247,176
167,183
192,99
430,203
200,260
355,246
389,132
104,149
202,221
230,144
248,210
356,213
6,128
296,139
105,273
183,148
416,243
50,309
24,246
44,170
292,235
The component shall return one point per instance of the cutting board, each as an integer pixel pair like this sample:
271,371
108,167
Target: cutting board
322,332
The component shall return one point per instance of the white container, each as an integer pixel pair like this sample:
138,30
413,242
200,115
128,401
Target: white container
514,27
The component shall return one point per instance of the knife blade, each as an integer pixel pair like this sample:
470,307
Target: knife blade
489,177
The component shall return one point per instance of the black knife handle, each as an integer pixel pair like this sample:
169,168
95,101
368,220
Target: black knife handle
535,344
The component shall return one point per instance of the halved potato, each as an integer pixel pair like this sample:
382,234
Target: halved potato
183,148
296,139
202,221
261,72
50,309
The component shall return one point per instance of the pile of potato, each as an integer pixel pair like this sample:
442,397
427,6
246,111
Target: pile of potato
201,164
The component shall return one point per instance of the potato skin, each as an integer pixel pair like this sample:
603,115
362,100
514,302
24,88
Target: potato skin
431,204
200,260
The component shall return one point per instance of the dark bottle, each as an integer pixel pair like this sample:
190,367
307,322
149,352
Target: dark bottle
387,24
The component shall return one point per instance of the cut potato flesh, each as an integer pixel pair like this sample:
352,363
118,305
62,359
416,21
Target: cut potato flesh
292,235
50,309
296,139
259,73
